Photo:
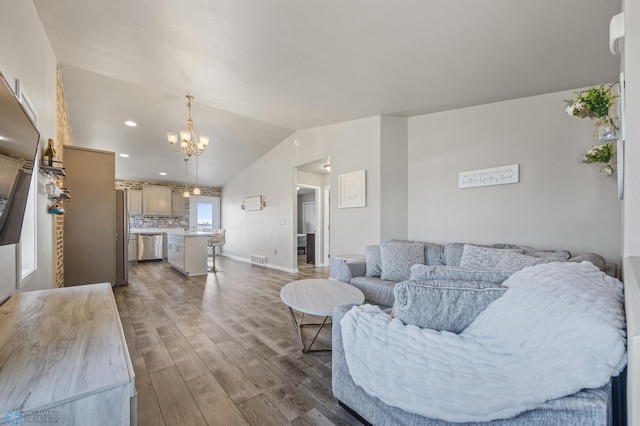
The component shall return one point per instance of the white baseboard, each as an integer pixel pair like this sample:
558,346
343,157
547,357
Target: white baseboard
268,265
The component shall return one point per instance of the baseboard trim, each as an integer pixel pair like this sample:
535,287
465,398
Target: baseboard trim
268,265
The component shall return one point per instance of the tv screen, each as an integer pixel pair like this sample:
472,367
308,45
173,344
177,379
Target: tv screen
18,147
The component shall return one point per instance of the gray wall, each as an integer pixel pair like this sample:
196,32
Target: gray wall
558,204
25,53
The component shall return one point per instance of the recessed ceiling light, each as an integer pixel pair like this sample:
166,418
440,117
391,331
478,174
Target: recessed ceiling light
130,123
124,155
162,173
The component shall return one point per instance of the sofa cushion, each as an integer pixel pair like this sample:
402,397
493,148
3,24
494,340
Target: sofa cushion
397,258
437,272
483,258
594,258
376,291
372,255
432,253
451,254
443,304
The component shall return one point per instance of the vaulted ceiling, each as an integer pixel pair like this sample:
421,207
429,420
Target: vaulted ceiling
261,69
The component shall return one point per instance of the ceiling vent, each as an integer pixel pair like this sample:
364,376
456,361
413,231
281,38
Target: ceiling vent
616,34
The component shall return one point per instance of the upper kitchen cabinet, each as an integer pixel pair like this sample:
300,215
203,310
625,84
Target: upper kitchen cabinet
134,202
178,205
157,201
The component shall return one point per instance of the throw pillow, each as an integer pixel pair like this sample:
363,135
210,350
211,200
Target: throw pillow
443,304
397,258
483,258
424,272
372,255
515,261
557,256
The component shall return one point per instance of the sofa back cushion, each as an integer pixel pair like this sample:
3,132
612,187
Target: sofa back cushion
397,258
432,253
372,255
449,305
438,272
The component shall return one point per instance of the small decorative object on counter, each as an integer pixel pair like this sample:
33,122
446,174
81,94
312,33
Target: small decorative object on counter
48,154
601,154
595,103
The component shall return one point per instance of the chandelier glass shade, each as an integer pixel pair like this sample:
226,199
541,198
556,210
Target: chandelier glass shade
190,143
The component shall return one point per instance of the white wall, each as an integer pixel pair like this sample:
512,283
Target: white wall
352,145
631,55
394,184
25,53
631,212
558,204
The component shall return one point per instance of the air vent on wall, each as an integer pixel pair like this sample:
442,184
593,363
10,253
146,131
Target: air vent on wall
616,34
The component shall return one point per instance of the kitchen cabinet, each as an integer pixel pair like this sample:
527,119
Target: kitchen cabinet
178,205
133,247
157,201
134,202
65,357
188,253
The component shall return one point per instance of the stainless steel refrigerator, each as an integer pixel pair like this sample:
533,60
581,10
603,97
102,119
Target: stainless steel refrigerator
122,238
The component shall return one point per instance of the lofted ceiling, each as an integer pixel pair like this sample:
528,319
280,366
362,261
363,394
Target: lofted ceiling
261,69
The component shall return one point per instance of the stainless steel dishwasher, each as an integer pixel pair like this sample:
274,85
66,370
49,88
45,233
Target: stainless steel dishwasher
150,247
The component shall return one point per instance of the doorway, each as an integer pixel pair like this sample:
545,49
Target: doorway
312,182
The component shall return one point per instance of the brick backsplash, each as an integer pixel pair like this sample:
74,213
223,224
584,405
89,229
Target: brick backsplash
163,221
64,136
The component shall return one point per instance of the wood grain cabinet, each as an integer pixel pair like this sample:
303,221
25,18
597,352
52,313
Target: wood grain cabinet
157,201
64,356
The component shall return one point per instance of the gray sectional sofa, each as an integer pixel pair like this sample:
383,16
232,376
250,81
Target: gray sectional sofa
444,288
390,262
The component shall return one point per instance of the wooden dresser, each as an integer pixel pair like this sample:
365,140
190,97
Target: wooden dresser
63,358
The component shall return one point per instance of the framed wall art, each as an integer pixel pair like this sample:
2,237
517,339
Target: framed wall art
352,190
253,203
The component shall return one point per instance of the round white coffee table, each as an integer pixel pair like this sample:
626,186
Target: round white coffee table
317,297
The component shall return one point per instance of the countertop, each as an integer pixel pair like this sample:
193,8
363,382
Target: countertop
169,231
191,234
157,231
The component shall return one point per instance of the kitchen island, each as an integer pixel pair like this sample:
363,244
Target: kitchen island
187,251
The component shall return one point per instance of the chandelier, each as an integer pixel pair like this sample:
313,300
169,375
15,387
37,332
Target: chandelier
190,143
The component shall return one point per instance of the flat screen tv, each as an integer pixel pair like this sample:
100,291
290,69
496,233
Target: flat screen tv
18,147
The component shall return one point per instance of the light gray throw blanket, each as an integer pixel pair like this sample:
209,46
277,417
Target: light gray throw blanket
559,328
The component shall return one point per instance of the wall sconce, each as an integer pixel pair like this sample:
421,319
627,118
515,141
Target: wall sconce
327,167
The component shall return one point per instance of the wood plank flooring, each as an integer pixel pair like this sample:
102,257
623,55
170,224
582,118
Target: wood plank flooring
221,349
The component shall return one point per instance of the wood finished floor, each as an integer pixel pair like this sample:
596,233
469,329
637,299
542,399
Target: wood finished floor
221,349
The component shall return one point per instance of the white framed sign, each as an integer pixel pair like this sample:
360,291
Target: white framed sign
352,190
487,177
253,203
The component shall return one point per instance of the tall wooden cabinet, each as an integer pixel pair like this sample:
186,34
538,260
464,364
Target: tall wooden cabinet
90,219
